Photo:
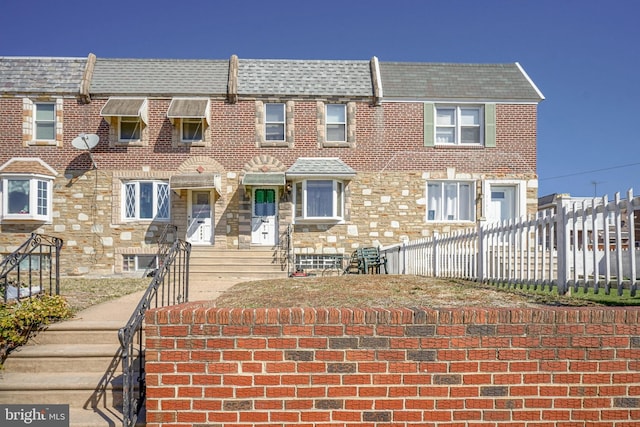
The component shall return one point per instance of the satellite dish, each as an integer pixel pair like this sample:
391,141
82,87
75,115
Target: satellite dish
85,142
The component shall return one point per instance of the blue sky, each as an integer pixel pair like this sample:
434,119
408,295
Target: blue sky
584,55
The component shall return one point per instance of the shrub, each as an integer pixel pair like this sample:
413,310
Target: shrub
20,319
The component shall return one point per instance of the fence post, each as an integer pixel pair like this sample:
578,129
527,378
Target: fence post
481,254
435,256
402,258
562,245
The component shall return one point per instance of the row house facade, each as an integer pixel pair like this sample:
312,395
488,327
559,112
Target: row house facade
235,153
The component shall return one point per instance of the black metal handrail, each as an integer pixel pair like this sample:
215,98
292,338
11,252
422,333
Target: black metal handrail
164,244
285,249
169,286
46,250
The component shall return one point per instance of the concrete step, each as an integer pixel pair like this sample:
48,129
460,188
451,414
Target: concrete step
256,263
78,330
62,358
78,390
100,418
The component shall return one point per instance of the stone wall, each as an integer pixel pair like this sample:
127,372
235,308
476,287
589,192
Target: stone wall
385,202
338,367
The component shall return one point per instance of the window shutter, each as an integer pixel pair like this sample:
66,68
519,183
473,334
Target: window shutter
490,125
429,120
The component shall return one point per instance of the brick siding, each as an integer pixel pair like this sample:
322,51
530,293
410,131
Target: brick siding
385,203
504,367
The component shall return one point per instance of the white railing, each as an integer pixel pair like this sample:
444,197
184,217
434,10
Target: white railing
590,244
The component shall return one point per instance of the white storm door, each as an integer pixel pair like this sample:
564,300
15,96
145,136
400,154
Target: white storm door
199,227
264,219
503,203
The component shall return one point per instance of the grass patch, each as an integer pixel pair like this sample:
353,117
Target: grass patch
81,293
580,296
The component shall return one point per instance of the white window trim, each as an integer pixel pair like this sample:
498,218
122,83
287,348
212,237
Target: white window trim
137,183
521,192
35,121
139,126
33,198
283,122
337,217
458,124
327,123
191,120
136,262
472,200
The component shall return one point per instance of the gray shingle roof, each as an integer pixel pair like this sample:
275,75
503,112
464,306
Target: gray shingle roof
304,77
159,77
318,166
441,81
268,77
23,75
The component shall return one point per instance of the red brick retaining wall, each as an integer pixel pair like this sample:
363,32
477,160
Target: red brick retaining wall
550,367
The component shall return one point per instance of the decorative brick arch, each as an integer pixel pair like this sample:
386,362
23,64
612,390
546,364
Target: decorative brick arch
200,164
263,164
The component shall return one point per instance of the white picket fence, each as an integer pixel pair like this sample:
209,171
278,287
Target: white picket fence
590,244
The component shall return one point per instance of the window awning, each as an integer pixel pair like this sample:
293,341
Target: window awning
263,178
321,167
196,181
189,108
126,107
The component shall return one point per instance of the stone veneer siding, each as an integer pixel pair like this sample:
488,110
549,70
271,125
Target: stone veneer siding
385,202
338,367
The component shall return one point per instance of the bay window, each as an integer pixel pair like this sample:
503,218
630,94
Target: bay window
319,199
450,201
146,200
26,197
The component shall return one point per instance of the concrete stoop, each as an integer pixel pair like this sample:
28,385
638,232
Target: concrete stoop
208,263
72,362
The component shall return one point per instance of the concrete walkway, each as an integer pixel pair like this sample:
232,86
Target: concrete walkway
120,309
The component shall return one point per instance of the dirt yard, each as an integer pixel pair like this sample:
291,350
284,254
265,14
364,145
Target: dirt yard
380,291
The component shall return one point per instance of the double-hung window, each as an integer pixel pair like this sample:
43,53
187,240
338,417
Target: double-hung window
129,129
461,125
450,201
336,122
26,197
191,130
146,200
274,121
44,121
319,199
